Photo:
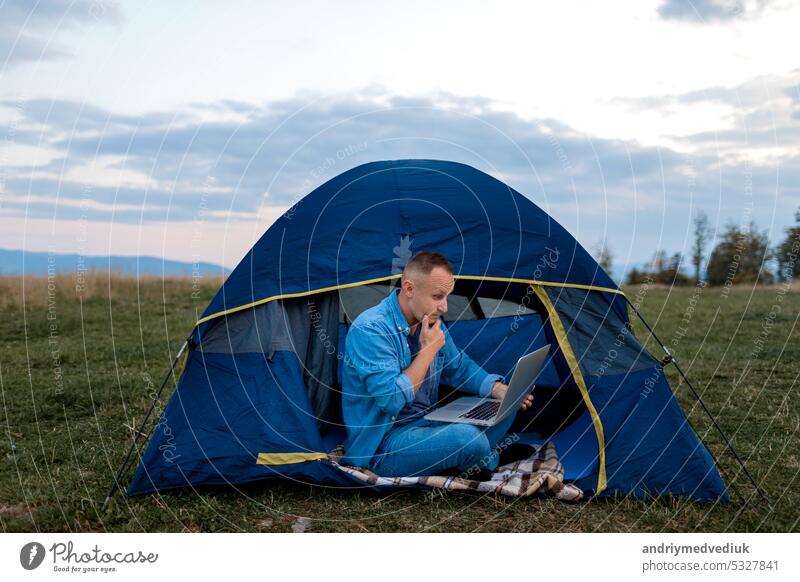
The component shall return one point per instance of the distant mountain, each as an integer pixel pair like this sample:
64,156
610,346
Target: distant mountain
15,262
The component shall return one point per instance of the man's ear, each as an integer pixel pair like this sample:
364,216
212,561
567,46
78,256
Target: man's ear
407,286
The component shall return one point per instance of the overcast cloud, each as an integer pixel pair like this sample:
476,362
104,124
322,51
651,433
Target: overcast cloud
29,31
712,11
240,159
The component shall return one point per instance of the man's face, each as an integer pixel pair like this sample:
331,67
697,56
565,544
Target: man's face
429,294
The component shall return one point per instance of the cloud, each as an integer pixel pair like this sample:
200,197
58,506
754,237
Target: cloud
700,10
244,161
78,118
27,29
273,153
760,115
715,11
755,174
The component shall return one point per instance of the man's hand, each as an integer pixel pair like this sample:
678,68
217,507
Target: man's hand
431,340
499,391
431,336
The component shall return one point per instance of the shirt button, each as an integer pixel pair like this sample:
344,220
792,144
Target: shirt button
394,418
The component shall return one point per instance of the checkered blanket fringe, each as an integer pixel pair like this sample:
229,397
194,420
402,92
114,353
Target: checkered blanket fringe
542,473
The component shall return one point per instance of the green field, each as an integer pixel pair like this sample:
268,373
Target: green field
76,371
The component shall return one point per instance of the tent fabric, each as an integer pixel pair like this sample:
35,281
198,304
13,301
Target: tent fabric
308,328
355,228
650,448
496,344
603,341
260,392
226,410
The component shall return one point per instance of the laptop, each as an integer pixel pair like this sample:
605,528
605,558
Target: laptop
488,412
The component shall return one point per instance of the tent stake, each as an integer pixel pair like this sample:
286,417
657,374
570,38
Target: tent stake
125,463
670,358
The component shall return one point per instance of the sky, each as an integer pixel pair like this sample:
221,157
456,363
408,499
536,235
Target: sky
183,130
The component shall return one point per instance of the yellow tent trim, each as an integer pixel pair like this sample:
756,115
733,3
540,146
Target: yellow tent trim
566,349
631,318
290,295
397,276
288,458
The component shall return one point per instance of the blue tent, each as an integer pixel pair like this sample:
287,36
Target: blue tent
259,392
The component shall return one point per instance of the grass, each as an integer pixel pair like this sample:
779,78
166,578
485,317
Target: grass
77,366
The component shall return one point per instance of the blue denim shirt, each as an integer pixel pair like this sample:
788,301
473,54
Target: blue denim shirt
374,387
428,394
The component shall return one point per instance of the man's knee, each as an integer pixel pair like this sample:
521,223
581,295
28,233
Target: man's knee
470,444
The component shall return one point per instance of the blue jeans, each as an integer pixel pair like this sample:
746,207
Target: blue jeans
425,447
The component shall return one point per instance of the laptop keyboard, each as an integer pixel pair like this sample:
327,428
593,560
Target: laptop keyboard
485,411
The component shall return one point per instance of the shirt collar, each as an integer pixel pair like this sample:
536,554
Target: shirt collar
400,323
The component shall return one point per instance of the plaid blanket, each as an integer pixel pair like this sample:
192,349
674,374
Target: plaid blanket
540,473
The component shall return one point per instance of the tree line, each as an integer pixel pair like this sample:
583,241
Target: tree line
742,254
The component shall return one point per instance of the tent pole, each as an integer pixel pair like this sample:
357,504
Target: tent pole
669,358
125,463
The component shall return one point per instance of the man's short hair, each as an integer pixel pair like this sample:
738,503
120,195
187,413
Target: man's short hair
425,261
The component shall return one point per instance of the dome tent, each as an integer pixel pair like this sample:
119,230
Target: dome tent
259,392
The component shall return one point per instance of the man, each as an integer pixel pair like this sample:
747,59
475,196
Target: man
396,354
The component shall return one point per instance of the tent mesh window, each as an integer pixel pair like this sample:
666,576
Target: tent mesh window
462,304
